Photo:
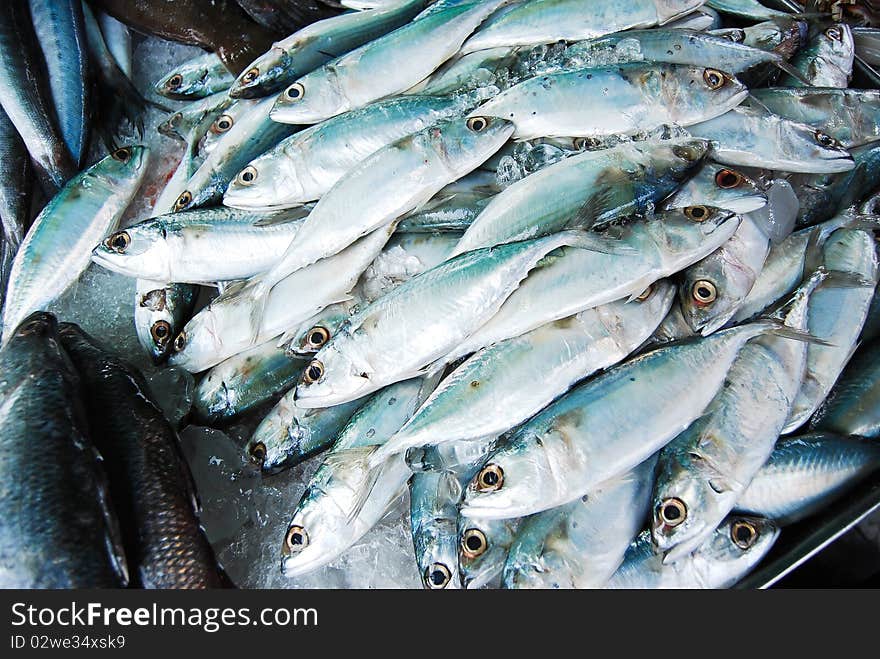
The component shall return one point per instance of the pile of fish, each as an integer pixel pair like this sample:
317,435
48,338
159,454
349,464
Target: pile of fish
590,284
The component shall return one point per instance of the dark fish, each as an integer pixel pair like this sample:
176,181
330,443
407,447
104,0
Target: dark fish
57,527
220,26
16,184
149,479
24,96
61,33
286,16
853,405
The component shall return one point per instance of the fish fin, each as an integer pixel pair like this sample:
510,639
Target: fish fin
777,217
362,454
591,209
282,218
786,332
600,243
261,291
784,66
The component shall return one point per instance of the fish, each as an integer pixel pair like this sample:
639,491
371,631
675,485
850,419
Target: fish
585,437
624,265
483,546
17,186
446,213
581,544
67,536
734,548
490,393
314,332
193,120
483,68
389,183
252,134
851,406
704,470
374,348
624,99
118,39
220,26
385,66
753,137
25,98
61,33
836,314
212,132
805,473
244,381
346,497
160,311
591,188
57,247
196,78
720,186
224,328
314,45
200,246
306,165
549,21
827,60
149,480
850,116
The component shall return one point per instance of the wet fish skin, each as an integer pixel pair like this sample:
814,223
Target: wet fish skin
316,44
196,78
16,187
67,536
549,21
161,310
200,246
25,98
582,433
719,186
805,473
581,544
244,381
56,250
482,565
827,59
220,26
624,99
148,477
719,563
851,407
118,39
587,189
191,122
60,30
783,34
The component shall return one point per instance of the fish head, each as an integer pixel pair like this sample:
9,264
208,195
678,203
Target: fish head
314,534
333,376
835,44
436,546
482,548
687,89
670,10
283,437
465,142
141,251
197,343
647,309
802,142
310,99
183,82
121,166
784,36
688,496
215,396
269,180
712,290
264,74
675,160
733,549
720,186
681,231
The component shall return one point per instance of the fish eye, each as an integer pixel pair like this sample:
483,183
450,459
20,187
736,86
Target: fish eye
727,179
296,539
314,372
714,78
743,533
490,478
317,337
250,75
824,139
704,292
295,92
174,81
180,342
224,123
672,512
478,124
437,576
258,453
122,155
696,213
161,332
184,200
174,119
473,543
834,33
247,176
645,293
118,242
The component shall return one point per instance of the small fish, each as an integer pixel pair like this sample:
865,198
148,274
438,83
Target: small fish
827,60
196,78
